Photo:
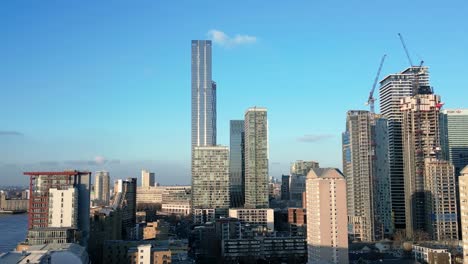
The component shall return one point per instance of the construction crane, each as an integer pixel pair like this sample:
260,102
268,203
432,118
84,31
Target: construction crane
371,99
406,50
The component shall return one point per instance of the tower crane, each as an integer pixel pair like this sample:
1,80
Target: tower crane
406,50
371,99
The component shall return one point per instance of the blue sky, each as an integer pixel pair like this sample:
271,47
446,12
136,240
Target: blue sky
106,84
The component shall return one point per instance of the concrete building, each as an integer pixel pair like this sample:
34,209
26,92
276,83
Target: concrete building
203,95
150,195
101,187
454,138
440,200
259,219
301,167
13,205
210,177
147,178
125,200
285,195
432,254
53,218
256,158
148,254
297,216
236,163
327,237
156,230
105,224
393,88
463,191
421,140
358,169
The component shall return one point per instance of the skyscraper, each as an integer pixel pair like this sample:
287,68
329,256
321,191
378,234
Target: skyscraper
454,137
302,167
125,200
210,177
203,95
440,200
101,187
358,171
327,236
393,88
236,163
147,178
59,207
463,191
420,134
256,158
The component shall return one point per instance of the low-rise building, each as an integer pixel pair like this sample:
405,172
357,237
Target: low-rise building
47,254
261,218
156,230
148,254
432,254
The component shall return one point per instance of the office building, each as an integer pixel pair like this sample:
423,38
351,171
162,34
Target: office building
420,135
297,183
59,207
393,88
125,200
454,137
147,178
463,192
358,169
301,167
432,254
382,185
236,163
210,177
176,200
13,205
256,158
203,95
327,236
285,195
260,219
440,200
101,187
150,195
105,224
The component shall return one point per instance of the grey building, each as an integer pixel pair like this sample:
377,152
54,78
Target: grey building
210,177
101,187
236,163
256,158
454,137
358,171
302,167
125,200
203,95
393,88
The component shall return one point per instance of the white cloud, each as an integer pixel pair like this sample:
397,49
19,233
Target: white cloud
221,38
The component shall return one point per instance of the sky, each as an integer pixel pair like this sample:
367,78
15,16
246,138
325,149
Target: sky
105,85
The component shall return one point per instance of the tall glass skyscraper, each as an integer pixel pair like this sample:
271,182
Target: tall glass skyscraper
236,163
454,137
256,158
203,95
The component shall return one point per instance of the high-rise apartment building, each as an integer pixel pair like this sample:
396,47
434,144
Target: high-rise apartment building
147,178
420,135
302,167
59,207
440,200
358,168
210,177
125,200
463,192
236,163
256,158
393,88
454,137
327,236
101,187
203,95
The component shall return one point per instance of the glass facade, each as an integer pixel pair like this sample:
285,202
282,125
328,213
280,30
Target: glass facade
203,95
236,163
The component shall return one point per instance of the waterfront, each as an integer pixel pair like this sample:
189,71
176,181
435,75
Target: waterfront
13,228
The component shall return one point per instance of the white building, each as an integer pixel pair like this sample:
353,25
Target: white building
147,178
327,236
257,217
101,187
63,207
463,187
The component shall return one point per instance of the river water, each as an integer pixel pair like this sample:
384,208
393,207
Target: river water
13,229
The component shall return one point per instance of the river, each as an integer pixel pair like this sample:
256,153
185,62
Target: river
13,229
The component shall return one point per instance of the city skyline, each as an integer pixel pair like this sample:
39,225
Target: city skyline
128,77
